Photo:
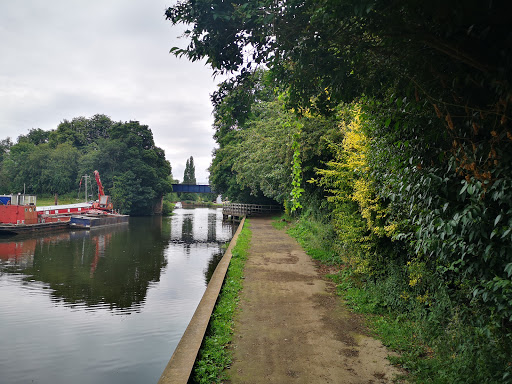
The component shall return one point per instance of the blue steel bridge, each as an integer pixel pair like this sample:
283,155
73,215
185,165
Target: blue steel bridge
192,188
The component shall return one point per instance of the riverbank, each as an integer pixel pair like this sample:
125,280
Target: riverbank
291,326
180,366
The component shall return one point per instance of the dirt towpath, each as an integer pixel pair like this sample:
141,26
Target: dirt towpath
291,327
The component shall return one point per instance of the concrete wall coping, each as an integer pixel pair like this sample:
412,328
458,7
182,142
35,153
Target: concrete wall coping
180,365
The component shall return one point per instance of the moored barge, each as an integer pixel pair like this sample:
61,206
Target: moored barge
94,220
18,214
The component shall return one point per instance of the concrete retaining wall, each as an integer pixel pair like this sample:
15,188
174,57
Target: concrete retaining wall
180,366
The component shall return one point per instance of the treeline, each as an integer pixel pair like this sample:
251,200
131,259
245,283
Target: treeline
390,123
133,170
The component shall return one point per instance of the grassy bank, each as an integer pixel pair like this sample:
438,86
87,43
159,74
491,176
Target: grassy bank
45,200
436,344
214,355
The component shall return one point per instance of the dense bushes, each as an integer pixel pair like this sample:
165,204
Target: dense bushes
404,115
419,236
436,344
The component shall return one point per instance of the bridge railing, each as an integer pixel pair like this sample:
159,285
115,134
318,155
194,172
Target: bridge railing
192,188
240,210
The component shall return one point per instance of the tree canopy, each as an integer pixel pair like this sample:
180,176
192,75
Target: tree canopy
455,53
133,169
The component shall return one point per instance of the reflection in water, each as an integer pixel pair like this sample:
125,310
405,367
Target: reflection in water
212,227
15,255
187,234
106,305
111,266
212,264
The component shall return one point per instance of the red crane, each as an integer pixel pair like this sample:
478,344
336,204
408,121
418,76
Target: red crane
104,202
101,192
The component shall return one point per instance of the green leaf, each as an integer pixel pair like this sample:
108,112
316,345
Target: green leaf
508,269
497,220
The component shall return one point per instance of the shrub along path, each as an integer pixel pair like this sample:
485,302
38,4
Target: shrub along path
291,327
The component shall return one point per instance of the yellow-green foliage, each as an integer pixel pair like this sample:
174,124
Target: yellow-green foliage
359,215
356,144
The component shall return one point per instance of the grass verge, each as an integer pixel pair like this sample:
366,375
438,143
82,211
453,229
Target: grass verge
430,349
214,356
45,200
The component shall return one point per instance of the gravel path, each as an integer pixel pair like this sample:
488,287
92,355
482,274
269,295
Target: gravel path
292,328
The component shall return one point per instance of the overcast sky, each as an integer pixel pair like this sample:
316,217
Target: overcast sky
62,59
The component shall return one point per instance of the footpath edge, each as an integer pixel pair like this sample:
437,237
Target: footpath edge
182,361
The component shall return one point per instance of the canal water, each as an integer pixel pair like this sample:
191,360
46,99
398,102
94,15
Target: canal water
107,305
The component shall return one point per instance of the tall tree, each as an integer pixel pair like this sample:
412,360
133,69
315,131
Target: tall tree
135,169
189,175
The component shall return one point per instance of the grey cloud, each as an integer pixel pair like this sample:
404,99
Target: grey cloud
64,59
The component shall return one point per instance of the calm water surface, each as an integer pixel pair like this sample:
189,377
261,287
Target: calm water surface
104,306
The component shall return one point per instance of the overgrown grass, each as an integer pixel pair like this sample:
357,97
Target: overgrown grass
214,356
317,239
281,222
434,343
